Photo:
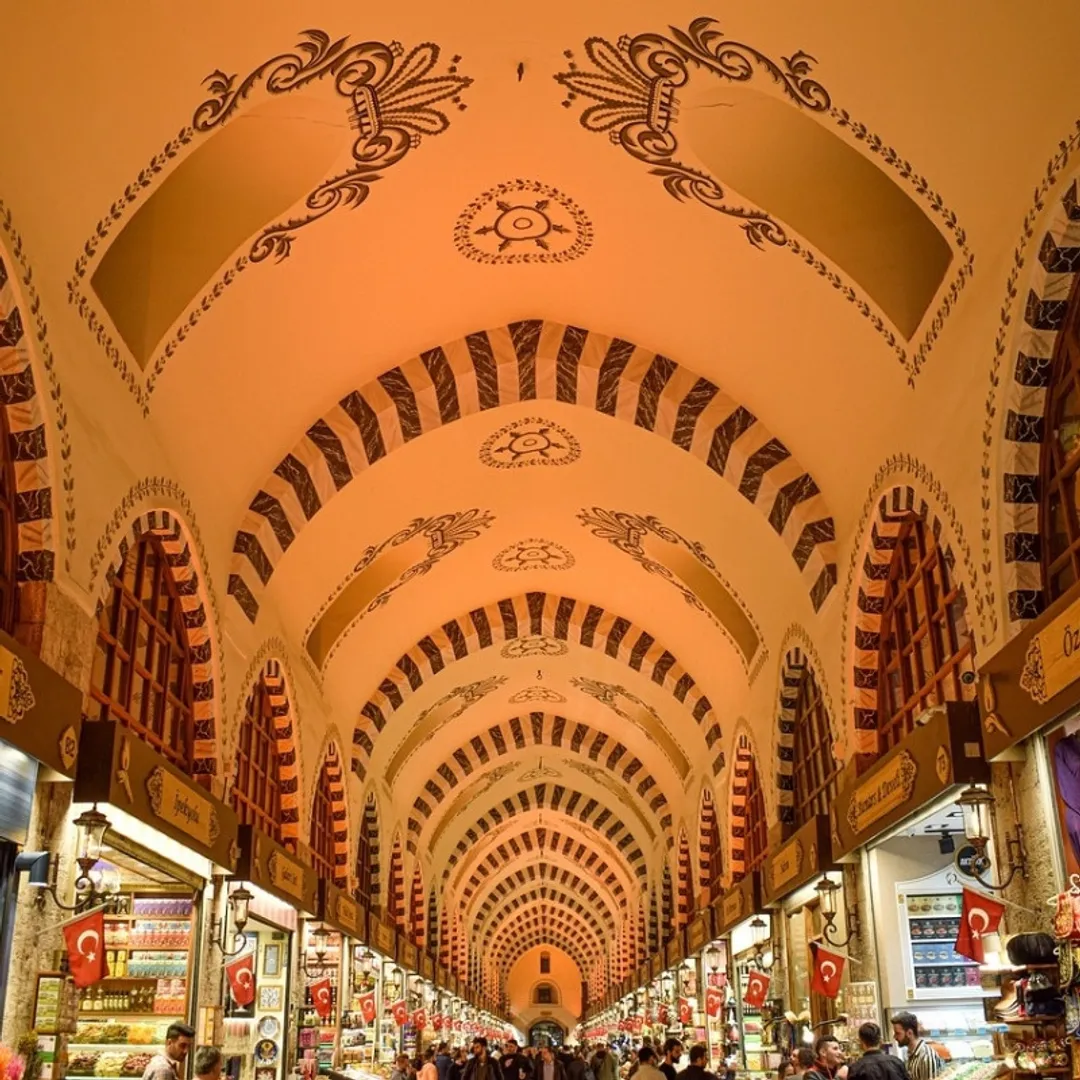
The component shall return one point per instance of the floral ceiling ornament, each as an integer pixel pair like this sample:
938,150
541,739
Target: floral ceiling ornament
535,645
391,99
523,221
533,554
532,441
537,693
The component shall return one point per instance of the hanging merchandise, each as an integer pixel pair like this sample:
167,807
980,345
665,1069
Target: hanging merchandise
241,975
757,989
980,916
85,940
828,971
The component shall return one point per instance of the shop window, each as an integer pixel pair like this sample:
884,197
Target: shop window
322,829
757,828
142,664
256,791
926,656
1059,523
815,768
9,530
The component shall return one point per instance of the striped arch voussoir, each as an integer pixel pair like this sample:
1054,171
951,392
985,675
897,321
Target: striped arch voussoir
894,507
791,675
339,811
166,526
540,896
525,361
28,445
706,822
535,613
528,882
284,732
535,729
740,774
1045,307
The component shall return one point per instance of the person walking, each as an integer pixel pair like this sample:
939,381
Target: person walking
169,1065
207,1063
698,1069
647,1069
804,1059
604,1066
515,1065
443,1061
480,1066
828,1059
429,1070
673,1049
549,1068
875,1064
578,1067
923,1062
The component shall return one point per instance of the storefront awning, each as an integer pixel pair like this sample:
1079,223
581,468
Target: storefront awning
798,860
116,768
943,752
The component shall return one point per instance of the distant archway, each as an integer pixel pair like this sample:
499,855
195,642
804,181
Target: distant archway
546,1033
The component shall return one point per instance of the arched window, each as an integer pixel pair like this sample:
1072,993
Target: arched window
322,829
545,994
815,767
142,664
1059,523
926,652
757,829
256,791
9,530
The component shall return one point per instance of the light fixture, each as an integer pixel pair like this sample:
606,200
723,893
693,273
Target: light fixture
713,957
977,805
237,903
91,826
319,939
827,889
761,935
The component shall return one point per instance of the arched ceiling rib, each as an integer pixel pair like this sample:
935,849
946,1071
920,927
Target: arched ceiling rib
485,931
527,882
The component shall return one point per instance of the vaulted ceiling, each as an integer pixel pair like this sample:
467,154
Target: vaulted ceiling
527,371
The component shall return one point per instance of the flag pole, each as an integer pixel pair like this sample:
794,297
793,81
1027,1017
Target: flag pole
1003,901
74,919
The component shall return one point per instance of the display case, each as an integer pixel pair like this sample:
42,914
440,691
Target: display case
122,1020
317,1035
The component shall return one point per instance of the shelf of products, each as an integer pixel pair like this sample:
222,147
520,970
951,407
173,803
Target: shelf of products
930,922
317,1035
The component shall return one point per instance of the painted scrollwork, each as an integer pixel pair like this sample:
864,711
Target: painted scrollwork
634,86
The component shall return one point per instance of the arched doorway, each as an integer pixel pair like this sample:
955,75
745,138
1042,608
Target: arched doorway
546,1033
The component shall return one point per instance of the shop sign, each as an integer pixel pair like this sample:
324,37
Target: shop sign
347,913
943,751
886,790
382,935
406,953
265,863
40,711
341,911
118,769
697,933
656,965
964,860
427,966
803,856
1052,660
738,903
674,951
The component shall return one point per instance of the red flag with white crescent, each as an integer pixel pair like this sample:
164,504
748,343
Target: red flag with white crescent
85,940
367,1007
662,1015
436,1021
419,1019
757,989
322,997
828,970
714,1000
685,1012
400,1011
241,975
981,915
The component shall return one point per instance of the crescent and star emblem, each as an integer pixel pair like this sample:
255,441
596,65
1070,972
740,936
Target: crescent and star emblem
323,993
978,930
243,978
95,941
828,970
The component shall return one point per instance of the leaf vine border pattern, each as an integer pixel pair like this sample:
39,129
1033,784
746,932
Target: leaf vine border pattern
634,88
392,98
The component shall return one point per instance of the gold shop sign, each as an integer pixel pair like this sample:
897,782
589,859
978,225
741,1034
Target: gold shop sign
883,792
347,911
382,936
733,906
182,807
787,865
16,695
1052,661
285,875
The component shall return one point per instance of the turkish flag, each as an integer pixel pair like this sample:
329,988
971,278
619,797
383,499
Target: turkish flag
685,1013
828,970
981,916
85,940
714,1000
367,1007
662,1015
322,997
241,973
436,1021
419,1019
757,989
635,1025
401,1013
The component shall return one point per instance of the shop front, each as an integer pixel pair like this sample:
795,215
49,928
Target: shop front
902,821
698,935
410,994
157,842
265,896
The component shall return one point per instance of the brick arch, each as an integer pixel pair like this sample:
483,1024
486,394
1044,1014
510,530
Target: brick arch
331,766
668,913
417,908
684,903
369,827
575,805
533,360
537,841
173,535
520,901
534,613
559,924
30,434
891,509
525,881
1045,303
745,756
533,938
535,729
432,941
708,842
395,885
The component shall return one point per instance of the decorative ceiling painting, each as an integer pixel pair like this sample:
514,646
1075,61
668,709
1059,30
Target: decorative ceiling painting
387,103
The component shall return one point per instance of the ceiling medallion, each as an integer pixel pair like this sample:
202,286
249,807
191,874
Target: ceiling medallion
537,693
523,221
532,441
536,645
533,554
